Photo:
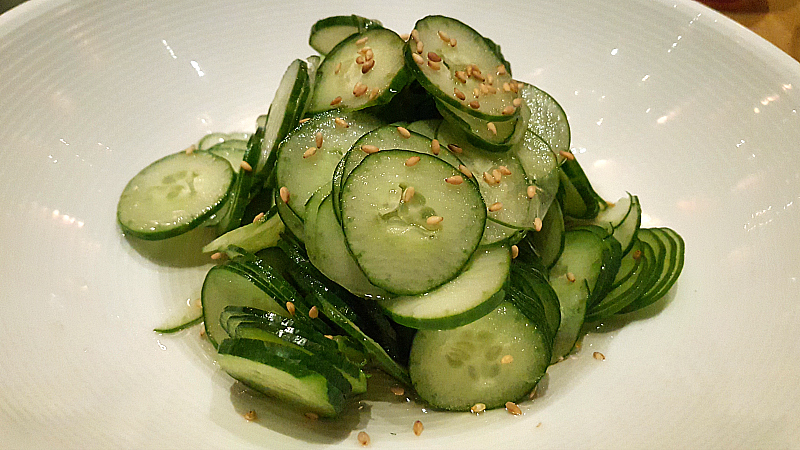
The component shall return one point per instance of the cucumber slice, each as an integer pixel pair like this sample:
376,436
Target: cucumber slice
541,169
327,32
671,248
476,291
490,136
364,70
410,244
233,150
496,233
548,243
427,128
455,369
261,234
532,282
453,79
242,191
214,139
579,200
173,195
290,374
547,119
621,219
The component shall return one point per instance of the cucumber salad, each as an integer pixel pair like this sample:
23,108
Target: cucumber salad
405,205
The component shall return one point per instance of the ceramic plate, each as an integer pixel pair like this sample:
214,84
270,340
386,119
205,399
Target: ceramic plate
667,99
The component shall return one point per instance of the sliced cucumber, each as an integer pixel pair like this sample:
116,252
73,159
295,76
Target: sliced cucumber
477,290
533,282
243,189
672,248
173,195
364,70
287,373
638,271
621,219
496,359
548,120
579,200
491,136
410,244
233,150
214,139
548,243
497,232
251,238
327,32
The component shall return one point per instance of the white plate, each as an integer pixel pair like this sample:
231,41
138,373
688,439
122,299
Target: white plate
668,100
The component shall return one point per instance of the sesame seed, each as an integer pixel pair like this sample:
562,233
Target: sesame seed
459,95
434,57
434,65
284,192
478,408
461,76
514,254
313,312
245,166
202,333
359,89
360,59
484,88
539,425
469,70
397,390
369,55
453,42
467,173
567,155
363,438
311,416
304,120
455,179
517,102
492,128
474,104
489,79
598,356
443,36
420,47
501,70
571,277
454,148
341,123
290,308
507,359
336,101
258,217
513,409
364,50
318,139
497,175
477,75
368,66
531,191
217,255
374,93
411,161
250,416
362,41
514,86
506,87
404,132
405,36
496,206
476,92
637,255
489,179
418,59
417,428
337,68
369,149
190,149
309,152
434,220
408,194
509,110
415,34
504,170
435,146
537,224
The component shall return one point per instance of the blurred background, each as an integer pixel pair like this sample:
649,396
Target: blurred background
777,21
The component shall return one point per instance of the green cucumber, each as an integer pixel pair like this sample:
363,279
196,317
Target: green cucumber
327,32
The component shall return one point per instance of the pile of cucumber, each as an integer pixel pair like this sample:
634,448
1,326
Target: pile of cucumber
405,205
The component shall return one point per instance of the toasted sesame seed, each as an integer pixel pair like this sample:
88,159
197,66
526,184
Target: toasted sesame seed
490,80
637,255
492,128
531,191
202,333
598,356
474,104
284,192
514,254
459,95
478,75
313,312
484,88
217,255
469,70
434,65
359,89
309,152
417,428
364,50
420,47
341,123
497,175
405,36
369,55
369,149
336,101
404,132
461,76
190,149
363,438
489,179
250,416
434,57
506,87
246,166
478,408
539,425
513,409
509,110
415,34
311,416
435,146
476,92
496,206
362,41
508,359
537,224
517,102
290,308
408,194
571,277
304,120
453,42
418,59
328,336
397,390
434,220
475,70
412,160
374,93
514,86
455,179
360,59
318,139
504,170
368,66
501,70
443,36
567,155
533,393
454,148
463,169
258,217
337,68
